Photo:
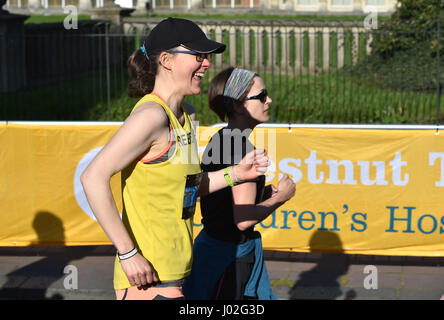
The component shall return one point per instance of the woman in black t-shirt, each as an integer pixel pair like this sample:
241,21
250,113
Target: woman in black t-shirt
228,261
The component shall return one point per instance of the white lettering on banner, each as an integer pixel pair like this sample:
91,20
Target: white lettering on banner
312,163
334,164
380,173
79,193
291,167
432,159
396,164
284,164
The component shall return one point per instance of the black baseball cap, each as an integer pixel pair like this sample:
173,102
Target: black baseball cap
174,32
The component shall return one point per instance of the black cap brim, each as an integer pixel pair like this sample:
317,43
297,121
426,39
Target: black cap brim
204,46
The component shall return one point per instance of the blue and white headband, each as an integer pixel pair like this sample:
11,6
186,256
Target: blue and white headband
236,85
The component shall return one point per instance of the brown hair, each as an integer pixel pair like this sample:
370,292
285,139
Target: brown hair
216,99
142,71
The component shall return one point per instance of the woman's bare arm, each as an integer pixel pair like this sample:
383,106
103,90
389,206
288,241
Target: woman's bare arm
137,134
253,165
247,213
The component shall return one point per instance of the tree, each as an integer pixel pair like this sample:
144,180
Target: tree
414,23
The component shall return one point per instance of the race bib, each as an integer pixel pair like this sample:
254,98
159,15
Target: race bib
190,195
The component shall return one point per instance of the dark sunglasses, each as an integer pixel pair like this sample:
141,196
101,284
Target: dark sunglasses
200,57
261,96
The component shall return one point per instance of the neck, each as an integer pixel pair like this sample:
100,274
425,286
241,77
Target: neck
173,99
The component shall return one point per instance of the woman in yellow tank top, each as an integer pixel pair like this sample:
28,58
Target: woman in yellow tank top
156,151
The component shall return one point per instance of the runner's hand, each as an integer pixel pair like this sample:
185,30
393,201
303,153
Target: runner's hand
286,188
253,165
139,271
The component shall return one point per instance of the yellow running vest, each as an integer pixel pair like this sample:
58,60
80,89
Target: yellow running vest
158,204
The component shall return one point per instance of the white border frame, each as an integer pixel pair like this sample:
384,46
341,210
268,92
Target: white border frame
262,125
347,126
64,123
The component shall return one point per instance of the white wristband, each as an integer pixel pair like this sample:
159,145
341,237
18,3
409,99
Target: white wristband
128,254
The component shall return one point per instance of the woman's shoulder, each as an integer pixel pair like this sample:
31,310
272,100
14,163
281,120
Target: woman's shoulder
152,109
149,114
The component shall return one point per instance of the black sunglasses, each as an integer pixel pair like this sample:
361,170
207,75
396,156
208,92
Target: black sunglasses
200,57
261,96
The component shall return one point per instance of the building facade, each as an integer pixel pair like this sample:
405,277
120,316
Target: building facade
319,7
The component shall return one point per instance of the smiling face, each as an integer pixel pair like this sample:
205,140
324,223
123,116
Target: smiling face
188,72
257,109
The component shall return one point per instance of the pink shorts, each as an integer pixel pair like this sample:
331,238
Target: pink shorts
150,293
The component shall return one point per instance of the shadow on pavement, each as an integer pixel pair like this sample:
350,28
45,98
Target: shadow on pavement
322,282
32,281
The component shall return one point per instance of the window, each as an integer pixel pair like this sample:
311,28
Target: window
340,5
307,5
341,2
308,2
171,4
231,3
375,2
54,3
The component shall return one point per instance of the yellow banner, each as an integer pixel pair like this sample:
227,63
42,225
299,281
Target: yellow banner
42,201
361,191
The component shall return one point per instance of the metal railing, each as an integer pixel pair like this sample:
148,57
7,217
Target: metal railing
315,73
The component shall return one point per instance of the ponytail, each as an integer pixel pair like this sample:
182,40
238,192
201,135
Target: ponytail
142,71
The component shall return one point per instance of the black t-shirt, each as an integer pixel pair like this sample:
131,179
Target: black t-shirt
226,148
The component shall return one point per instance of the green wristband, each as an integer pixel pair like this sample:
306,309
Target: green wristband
227,177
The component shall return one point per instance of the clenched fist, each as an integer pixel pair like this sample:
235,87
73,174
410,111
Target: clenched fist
285,189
